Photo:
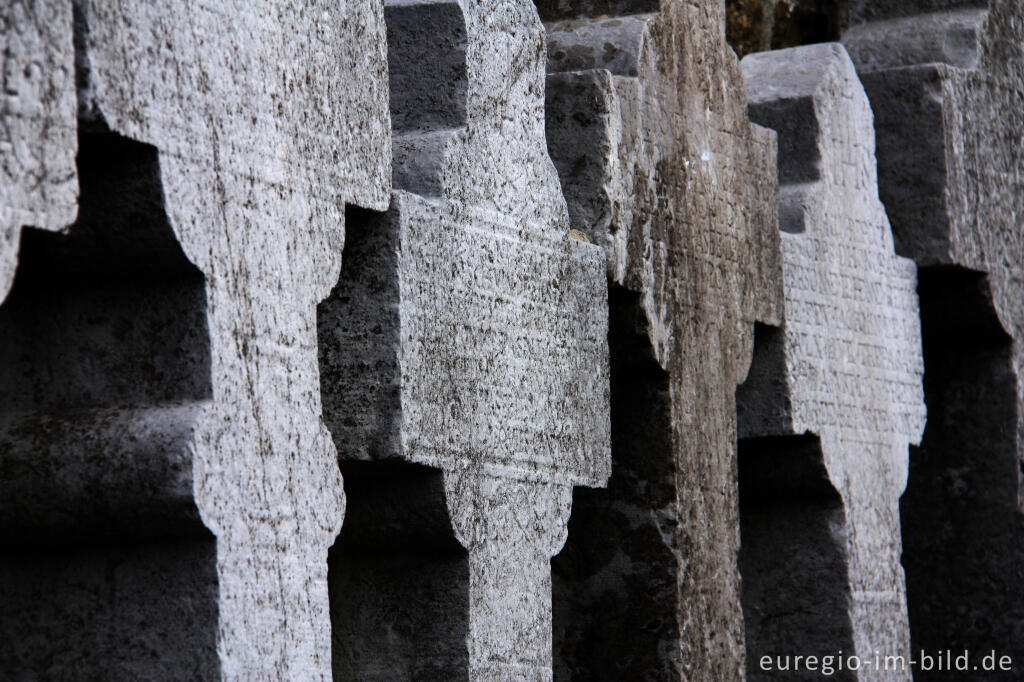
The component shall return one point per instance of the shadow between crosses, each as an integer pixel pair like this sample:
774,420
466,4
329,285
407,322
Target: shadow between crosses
963,534
107,571
614,582
398,577
399,580
796,592
793,546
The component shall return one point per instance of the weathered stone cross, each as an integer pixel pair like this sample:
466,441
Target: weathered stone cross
847,367
469,335
945,82
269,118
647,124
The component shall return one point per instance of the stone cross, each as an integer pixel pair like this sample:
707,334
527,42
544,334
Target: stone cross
476,341
647,124
269,118
38,138
945,81
847,367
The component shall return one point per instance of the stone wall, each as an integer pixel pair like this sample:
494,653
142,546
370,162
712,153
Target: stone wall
498,340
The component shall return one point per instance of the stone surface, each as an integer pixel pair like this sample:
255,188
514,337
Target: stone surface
648,127
858,11
38,185
469,334
950,37
848,366
951,174
264,121
113,612
526,299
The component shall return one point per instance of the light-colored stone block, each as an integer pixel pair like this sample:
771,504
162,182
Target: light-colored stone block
269,119
849,366
476,342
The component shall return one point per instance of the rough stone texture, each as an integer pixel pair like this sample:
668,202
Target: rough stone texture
267,120
399,579
114,612
648,127
858,11
38,185
168,491
950,37
950,168
848,366
951,173
469,336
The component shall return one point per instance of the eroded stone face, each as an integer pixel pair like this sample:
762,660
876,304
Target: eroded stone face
268,120
477,344
647,125
850,363
858,11
38,183
951,169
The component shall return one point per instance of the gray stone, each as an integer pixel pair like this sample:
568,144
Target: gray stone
469,337
191,389
858,11
38,184
794,555
950,37
847,367
116,612
648,127
951,174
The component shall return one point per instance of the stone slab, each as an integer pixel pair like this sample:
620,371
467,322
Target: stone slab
268,120
950,173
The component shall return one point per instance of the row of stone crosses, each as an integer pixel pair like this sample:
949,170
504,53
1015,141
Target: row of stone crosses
420,339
